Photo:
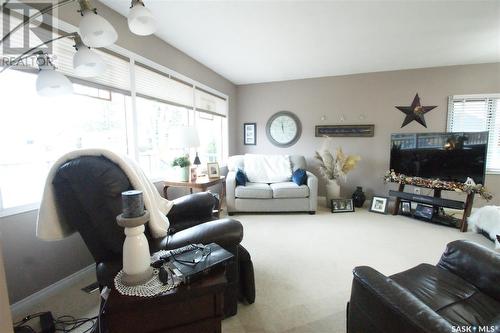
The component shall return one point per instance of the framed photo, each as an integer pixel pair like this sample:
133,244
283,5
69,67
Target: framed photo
250,133
379,205
342,205
194,174
405,208
213,170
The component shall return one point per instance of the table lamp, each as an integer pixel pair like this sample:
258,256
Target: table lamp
184,138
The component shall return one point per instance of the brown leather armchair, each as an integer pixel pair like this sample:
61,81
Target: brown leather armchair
461,292
88,194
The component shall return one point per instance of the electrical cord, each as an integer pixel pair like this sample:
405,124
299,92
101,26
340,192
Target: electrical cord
64,324
72,323
100,312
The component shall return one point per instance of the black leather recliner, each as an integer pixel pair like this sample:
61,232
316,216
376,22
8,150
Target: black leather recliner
88,194
460,294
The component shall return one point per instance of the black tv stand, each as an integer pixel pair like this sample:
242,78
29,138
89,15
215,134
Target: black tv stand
437,202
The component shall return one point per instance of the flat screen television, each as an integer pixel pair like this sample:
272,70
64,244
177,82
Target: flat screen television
447,156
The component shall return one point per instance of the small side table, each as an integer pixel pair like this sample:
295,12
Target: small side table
201,183
197,307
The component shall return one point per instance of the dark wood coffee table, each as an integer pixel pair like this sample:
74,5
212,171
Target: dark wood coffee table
198,307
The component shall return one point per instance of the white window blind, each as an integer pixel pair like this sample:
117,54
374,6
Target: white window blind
211,103
151,83
116,76
478,113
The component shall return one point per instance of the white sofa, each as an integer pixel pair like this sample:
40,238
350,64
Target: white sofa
272,196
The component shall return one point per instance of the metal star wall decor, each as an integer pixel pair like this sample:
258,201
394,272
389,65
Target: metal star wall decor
415,112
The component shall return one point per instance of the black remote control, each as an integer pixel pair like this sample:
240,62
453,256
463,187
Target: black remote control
163,275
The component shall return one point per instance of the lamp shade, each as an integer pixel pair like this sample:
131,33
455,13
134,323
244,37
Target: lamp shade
183,137
51,83
96,31
140,20
87,63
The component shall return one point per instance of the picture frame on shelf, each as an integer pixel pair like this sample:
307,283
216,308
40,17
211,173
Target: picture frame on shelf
250,134
342,205
213,170
405,207
379,204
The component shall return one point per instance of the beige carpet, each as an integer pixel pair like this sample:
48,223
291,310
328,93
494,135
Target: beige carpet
303,266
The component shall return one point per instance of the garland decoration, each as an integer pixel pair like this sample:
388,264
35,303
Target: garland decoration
467,187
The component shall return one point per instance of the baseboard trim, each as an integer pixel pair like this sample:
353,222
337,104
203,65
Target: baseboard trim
21,307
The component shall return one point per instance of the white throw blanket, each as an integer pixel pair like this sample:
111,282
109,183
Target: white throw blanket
51,224
487,218
268,168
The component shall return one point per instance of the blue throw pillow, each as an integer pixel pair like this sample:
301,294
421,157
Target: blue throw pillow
299,177
241,178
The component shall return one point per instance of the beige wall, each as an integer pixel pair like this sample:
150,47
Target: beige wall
32,264
372,96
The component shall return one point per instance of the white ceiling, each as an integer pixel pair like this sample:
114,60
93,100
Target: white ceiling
261,41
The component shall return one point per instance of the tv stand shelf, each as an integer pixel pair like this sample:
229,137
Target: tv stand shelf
436,201
439,219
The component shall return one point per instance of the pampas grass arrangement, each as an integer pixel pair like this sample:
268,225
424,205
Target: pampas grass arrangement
336,167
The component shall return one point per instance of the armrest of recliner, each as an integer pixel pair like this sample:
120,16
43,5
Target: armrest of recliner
312,183
230,191
191,209
106,272
475,264
378,301
225,232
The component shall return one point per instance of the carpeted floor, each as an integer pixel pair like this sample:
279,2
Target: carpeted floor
303,266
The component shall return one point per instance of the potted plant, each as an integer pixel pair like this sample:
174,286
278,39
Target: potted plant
181,165
335,168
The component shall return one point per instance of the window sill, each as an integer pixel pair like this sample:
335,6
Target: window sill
19,210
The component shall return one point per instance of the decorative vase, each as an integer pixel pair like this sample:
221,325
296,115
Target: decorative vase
332,191
358,197
182,173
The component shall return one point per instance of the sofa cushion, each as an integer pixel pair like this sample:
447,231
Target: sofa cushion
299,177
236,162
452,297
254,191
298,162
241,177
289,190
267,168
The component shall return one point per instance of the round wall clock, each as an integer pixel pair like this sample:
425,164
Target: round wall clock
283,129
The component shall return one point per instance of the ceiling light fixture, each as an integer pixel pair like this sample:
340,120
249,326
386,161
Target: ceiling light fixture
140,19
86,62
49,82
95,30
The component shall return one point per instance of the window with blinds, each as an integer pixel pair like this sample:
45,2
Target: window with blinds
160,86
208,102
131,108
477,113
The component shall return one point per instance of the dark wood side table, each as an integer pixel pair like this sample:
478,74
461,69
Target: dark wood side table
202,184
194,308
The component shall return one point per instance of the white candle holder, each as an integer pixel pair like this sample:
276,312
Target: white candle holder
136,256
